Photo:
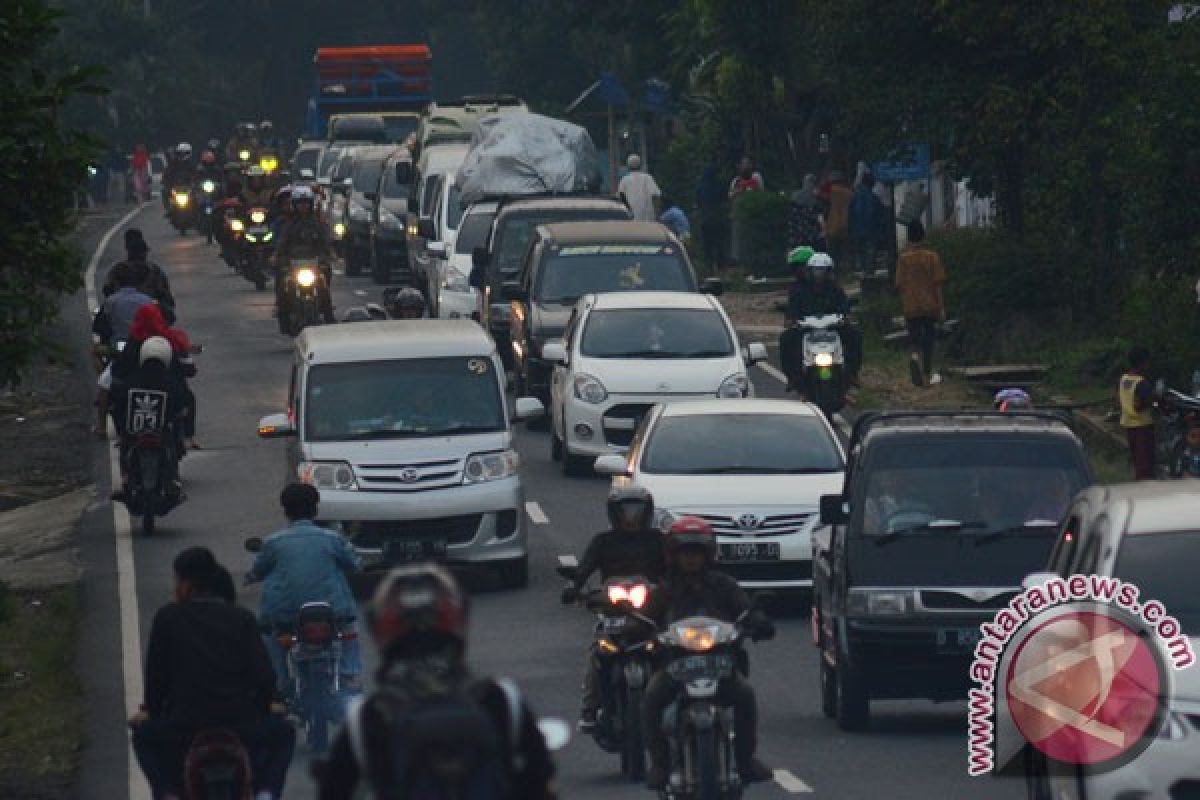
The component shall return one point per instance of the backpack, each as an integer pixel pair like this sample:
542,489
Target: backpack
442,744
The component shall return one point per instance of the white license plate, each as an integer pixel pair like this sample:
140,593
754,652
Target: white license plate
749,551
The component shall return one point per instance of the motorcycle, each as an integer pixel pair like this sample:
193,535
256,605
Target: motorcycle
183,212
314,657
823,364
207,190
1177,413
300,304
624,647
256,245
151,451
701,653
217,767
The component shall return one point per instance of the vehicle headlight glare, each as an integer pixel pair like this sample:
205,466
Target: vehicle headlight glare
327,475
306,277
181,199
209,187
734,386
484,467
258,217
339,229
237,225
589,389
250,237
823,359
244,155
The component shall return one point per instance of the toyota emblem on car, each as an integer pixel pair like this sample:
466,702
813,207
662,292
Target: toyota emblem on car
749,522
409,475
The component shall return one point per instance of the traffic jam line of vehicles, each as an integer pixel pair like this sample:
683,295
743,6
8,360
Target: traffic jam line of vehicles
905,538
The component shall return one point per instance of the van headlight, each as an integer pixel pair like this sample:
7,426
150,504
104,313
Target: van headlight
455,281
734,386
484,467
327,475
878,602
590,389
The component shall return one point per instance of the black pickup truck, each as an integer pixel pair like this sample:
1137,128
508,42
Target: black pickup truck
941,517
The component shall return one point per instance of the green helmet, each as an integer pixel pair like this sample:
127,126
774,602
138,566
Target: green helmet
799,256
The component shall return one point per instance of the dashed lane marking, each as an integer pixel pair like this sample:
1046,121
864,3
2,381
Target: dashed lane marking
535,513
790,783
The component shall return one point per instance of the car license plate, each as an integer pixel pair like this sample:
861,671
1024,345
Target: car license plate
957,640
749,551
408,551
614,624
705,666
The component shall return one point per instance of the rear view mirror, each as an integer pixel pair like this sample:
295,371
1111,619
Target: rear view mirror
713,286
426,230
275,426
436,249
756,353
404,172
834,510
612,464
554,352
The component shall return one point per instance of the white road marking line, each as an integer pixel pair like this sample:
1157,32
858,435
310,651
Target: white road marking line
791,783
838,419
568,560
131,639
535,513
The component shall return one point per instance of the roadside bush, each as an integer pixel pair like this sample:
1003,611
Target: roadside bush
1162,314
761,220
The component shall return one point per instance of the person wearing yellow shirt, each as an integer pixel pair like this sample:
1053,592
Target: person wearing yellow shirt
1136,396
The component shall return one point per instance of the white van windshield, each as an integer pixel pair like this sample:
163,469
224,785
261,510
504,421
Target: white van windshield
408,398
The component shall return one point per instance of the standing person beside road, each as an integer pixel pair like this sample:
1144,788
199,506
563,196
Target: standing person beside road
139,165
206,668
747,179
804,216
866,221
418,619
640,191
919,278
837,221
1136,396
305,563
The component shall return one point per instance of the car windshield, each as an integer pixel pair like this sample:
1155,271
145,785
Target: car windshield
656,333
366,174
473,232
970,486
1164,566
402,399
740,444
392,188
399,128
513,237
570,272
306,159
454,213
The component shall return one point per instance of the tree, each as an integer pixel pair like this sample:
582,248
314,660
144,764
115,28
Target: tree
44,164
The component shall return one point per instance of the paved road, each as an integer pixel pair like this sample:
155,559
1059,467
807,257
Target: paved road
914,750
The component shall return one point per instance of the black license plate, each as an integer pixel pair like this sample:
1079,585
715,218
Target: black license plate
957,640
749,551
708,666
406,551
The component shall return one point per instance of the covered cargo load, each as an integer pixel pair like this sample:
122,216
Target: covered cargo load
528,154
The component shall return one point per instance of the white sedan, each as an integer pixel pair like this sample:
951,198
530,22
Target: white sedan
755,469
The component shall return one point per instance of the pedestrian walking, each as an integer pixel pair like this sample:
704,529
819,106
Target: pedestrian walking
837,221
710,200
919,279
140,167
640,191
804,217
1136,396
746,180
866,221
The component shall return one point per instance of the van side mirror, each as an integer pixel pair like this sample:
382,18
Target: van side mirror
834,510
713,286
554,352
611,464
528,408
404,172
275,426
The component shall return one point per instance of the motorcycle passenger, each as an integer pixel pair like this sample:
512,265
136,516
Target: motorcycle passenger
408,303
179,172
303,237
305,563
632,548
693,588
206,668
418,619
823,296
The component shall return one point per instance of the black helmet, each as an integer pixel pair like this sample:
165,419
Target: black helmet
408,303
630,508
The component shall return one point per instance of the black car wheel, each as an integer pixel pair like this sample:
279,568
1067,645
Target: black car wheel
853,704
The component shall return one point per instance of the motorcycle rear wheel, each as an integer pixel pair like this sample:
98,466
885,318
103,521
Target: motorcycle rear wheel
316,716
705,763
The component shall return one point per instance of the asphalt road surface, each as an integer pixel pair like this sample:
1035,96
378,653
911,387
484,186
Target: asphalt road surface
912,750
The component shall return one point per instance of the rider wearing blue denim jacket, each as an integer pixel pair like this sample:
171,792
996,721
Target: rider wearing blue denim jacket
305,563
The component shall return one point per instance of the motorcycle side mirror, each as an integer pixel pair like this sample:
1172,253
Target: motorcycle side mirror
253,544
555,731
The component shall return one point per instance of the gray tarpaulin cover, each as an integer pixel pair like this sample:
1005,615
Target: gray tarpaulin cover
521,154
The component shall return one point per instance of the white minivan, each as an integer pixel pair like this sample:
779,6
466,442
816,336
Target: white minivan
404,428
623,352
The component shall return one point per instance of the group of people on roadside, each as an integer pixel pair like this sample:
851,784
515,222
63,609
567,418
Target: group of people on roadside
849,224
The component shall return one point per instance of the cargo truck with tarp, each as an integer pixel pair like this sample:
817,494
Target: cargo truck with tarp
393,82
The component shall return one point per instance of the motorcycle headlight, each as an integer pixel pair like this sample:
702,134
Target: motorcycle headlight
455,281
878,603
484,467
237,225
327,475
359,214
181,199
306,277
734,386
589,389
339,229
209,187
823,359
243,155
697,638
269,164
258,216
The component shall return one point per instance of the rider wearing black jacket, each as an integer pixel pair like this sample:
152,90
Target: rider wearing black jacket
815,293
418,619
692,588
303,236
633,548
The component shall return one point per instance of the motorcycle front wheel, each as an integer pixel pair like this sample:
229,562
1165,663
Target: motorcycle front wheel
705,762
633,752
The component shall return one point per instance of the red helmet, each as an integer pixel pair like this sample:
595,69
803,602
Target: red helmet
691,532
208,158
417,601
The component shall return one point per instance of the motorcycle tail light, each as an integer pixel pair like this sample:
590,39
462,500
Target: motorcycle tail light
285,640
617,594
316,632
638,595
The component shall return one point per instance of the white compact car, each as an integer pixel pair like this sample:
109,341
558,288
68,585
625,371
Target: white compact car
755,469
622,352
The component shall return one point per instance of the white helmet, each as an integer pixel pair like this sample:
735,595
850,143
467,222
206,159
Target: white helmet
183,150
156,348
820,262
302,192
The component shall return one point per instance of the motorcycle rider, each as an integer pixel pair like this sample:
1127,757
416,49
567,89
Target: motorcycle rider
408,303
179,172
256,192
305,563
693,588
818,297
266,136
304,236
418,619
632,548
208,169
206,668
242,141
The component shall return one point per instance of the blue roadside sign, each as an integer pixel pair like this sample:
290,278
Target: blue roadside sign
906,163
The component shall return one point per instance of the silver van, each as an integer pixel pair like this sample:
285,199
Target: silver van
404,428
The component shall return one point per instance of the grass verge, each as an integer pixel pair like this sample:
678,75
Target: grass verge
41,713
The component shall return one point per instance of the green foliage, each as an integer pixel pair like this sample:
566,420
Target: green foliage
761,222
1175,346
48,162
